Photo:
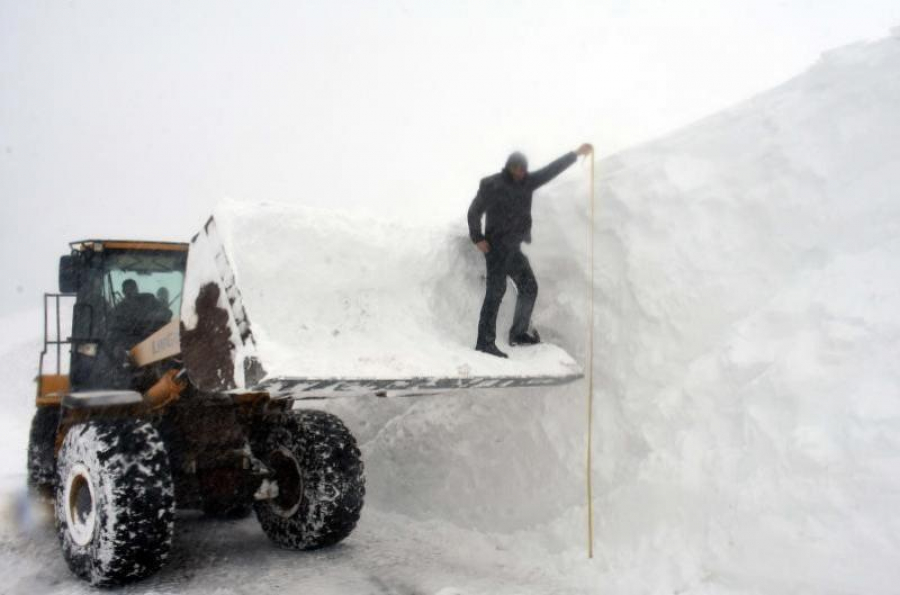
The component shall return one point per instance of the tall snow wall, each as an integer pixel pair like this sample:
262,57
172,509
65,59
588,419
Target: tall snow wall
747,400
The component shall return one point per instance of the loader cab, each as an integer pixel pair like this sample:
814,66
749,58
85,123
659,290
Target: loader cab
124,292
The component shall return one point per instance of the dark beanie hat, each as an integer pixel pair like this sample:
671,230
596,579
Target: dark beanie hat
515,159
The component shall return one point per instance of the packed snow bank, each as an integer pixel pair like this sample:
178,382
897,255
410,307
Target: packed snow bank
330,294
749,315
748,396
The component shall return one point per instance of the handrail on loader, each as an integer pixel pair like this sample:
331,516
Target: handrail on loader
58,342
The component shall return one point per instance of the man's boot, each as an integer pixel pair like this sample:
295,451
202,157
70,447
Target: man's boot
526,338
490,349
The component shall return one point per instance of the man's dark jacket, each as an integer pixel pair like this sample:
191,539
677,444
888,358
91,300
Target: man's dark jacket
507,204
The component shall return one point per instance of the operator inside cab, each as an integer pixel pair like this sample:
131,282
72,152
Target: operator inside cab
137,315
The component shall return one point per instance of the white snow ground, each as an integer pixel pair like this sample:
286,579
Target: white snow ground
747,402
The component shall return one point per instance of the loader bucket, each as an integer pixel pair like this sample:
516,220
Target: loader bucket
308,302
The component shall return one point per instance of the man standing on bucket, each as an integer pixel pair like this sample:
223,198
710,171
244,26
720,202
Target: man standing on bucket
505,201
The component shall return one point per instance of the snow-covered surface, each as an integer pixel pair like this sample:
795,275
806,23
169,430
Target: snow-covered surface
332,294
749,274
747,397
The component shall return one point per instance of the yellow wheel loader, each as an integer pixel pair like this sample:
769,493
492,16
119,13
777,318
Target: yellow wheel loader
154,394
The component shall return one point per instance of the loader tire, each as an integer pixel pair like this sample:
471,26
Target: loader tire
115,504
320,476
41,455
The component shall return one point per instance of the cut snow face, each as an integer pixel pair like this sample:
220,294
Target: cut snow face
317,294
748,312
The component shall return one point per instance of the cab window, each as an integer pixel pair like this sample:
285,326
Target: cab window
159,275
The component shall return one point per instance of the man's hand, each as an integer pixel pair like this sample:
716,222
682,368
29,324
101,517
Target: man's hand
585,149
483,246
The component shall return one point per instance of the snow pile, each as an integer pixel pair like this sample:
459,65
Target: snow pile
748,397
335,295
750,277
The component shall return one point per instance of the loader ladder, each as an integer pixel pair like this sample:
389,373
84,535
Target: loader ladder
52,345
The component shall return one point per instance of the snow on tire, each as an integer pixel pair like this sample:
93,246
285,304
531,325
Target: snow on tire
115,505
320,477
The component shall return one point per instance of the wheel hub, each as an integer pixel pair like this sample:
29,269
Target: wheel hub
80,505
290,482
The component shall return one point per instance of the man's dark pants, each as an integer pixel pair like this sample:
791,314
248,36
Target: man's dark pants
503,262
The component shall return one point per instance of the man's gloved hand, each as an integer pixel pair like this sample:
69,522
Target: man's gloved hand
585,149
527,238
483,246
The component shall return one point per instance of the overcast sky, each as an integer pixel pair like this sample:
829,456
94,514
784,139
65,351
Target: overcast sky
131,119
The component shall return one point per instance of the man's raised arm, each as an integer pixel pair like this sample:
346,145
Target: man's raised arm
548,172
